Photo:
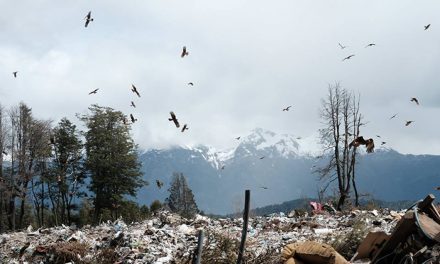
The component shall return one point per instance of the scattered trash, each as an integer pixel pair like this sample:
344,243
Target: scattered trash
168,238
415,239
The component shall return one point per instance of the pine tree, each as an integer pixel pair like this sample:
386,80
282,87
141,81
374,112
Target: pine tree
111,159
181,199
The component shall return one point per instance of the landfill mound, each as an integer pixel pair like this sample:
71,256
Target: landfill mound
169,238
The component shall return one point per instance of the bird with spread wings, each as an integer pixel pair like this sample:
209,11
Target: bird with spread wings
369,143
88,18
184,52
174,119
134,90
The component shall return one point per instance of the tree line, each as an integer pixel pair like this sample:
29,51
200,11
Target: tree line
52,174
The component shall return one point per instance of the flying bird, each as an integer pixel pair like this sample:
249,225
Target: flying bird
383,143
298,138
190,83
348,57
393,116
88,18
408,123
264,187
237,138
369,143
415,100
134,90
378,136
94,91
185,127
133,120
427,26
174,119
15,74
4,152
159,184
342,46
287,108
370,45
262,158
132,104
184,52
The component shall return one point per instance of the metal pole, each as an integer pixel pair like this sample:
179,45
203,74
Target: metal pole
198,253
247,198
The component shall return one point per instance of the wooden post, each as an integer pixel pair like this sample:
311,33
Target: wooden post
247,198
198,254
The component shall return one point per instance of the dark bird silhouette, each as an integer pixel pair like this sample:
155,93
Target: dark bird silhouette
383,143
369,143
393,116
370,45
415,100
287,108
132,104
438,188
262,157
427,26
159,184
223,167
88,18
378,136
298,138
134,90
237,138
133,120
348,57
174,119
342,46
94,91
408,123
264,187
4,152
15,74
185,127
184,52
124,120
190,83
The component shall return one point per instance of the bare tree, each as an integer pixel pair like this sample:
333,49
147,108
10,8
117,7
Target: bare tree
341,123
29,145
3,146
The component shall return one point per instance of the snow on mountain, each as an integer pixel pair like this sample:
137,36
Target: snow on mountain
259,142
284,144
215,157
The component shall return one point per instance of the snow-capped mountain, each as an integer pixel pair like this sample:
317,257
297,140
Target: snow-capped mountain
258,143
284,165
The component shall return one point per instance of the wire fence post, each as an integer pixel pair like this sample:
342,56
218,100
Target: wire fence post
247,198
198,254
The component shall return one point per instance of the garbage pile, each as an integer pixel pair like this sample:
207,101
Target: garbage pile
169,238
415,239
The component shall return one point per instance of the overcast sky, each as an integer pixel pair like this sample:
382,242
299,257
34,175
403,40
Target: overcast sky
247,60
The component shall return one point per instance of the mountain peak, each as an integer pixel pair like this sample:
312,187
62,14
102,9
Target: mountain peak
267,141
